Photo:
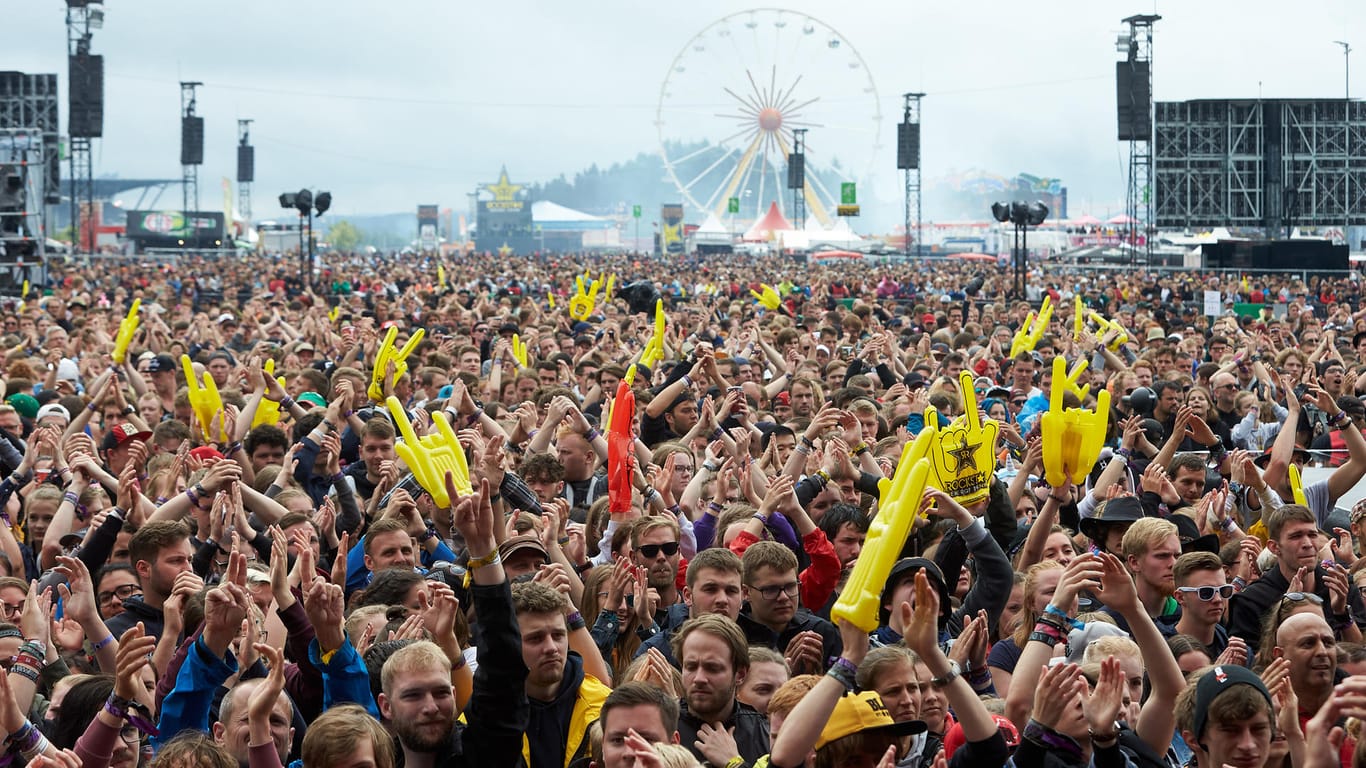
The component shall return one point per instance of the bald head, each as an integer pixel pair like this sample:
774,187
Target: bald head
1301,625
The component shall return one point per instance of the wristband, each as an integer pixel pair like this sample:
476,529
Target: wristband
841,673
859,449
802,449
25,671
92,407
714,507
287,402
717,434
575,621
687,381
1239,583
338,478
760,517
712,468
735,762
1041,637
474,564
1060,613
806,441
71,498
592,434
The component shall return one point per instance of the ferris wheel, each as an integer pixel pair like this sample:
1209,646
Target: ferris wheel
733,96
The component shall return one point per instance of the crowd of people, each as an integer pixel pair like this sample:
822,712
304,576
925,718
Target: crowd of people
268,581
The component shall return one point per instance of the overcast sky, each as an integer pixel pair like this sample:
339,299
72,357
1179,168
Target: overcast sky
393,104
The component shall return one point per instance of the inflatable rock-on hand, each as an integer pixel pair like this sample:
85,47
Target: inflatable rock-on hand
620,449
431,457
519,350
769,297
128,328
1296,485
268,411
584,300
963,455
204,400
861,597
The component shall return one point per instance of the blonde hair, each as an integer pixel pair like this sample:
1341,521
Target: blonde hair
1028,616
422,655
1145,534
1111,645
333,737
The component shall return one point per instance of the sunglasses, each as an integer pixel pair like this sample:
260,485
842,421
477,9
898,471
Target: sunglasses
650,551
1301,597
1207,593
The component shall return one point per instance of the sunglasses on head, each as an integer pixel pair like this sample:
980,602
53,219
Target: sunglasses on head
1300,597
1207,593
651,551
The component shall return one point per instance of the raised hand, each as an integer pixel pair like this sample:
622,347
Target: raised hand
135,652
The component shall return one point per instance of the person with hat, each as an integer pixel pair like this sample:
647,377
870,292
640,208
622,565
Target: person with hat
155,373
848,728
1226,717
1112,518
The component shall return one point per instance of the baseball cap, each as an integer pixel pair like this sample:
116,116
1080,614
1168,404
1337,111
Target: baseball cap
206,452
955,738
906,567
864,712
913,380
1215,682
122,433
783,398
312,398
25,404
1078,639
520,543
1358,511
161,364
53,409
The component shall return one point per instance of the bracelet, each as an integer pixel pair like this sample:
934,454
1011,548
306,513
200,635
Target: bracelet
712,468
592,434
822,477
803,450
760,517
714,507
575,621
287,402
1239,583
101,644
1041,637
231,449
735,762
1106,737
717,434
459,664
841,673
859,449
39,745
190,494
1060,613
128,410
348,415
475,563
24,671
648,494
329,425
687,381
71,498
91,407
806,441
25,731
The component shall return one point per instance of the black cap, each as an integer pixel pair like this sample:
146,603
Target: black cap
1216,681
907,566
1189,532
913,380
161,364
1121,509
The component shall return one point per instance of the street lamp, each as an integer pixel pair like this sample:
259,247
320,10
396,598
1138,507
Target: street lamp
1023,216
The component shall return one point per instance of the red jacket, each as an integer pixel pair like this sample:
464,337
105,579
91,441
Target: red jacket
819,579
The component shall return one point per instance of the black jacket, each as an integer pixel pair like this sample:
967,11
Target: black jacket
498,711
662,640
1247,608
134,610
759,634
751,731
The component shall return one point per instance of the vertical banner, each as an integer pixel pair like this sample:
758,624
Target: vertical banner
671,229
426,227
227,207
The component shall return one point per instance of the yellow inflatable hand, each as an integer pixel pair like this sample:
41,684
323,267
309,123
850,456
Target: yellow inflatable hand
963,454
519,350
861,598
1072,437
1296,485
431,457
550,297
1070,380
386,355
581,306
441,276
769,298
128,328
334,313
607,294
205,401
654,348
268,411
1105,325
24,295
1020,341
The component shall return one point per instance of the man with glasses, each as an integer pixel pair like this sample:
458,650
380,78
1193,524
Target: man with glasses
1202,593
774,617
114,584
13,591
655,548
1225,389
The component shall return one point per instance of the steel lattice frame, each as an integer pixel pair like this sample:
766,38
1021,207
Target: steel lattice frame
1269,164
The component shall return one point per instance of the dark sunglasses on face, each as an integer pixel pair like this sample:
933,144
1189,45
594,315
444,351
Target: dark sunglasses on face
1207,593
651,551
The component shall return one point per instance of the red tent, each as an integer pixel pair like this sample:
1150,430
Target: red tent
767,228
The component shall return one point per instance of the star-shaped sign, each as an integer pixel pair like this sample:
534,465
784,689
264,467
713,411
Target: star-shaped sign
963,457
504,191
673,232
505,249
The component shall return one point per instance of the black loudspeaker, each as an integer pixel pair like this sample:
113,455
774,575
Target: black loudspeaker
908,146
796,171
1134,101
192,141
85,101
246,162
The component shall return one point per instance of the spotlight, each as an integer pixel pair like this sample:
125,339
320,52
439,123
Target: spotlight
1036,212
287,200
1000,211
303,200
322,202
